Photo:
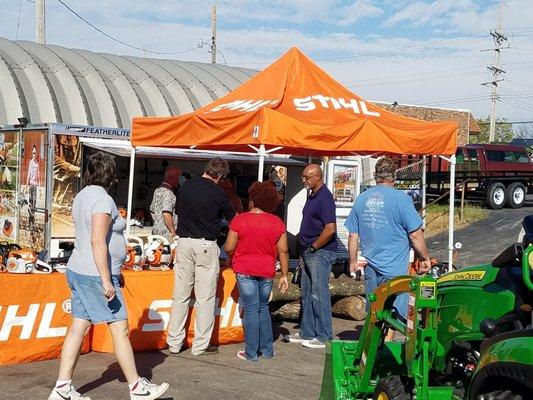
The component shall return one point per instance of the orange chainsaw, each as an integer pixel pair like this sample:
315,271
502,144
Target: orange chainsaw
135,257
25,261
158,251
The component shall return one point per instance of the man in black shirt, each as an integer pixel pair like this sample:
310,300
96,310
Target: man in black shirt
200,206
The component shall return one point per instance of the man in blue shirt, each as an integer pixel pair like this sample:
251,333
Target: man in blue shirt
319,244
385,222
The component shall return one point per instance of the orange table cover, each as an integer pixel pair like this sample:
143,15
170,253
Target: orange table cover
148,296
34,316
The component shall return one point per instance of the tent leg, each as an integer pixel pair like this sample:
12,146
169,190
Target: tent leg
130,190
262,154
424,182
451,214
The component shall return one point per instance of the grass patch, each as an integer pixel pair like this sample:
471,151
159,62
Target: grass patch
437,217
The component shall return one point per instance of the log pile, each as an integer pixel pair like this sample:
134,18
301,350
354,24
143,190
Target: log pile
347,299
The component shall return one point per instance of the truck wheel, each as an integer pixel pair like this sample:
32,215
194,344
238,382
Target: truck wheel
500,395
516,195
496,196
391,388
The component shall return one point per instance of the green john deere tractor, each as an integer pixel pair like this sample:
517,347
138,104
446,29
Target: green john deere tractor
468,335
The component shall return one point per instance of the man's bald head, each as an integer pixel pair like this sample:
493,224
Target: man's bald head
312,177
314,169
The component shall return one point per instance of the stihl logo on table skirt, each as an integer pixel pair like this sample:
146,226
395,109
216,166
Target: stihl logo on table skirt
158,318
159,314
40,316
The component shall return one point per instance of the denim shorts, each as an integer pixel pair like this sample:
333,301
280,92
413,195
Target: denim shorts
88,300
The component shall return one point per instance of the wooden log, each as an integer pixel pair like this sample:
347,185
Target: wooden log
288,311
342,286
352,307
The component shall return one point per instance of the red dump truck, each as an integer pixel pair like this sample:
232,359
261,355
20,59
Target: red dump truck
499,174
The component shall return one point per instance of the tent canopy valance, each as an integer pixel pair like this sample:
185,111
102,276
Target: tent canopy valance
294,107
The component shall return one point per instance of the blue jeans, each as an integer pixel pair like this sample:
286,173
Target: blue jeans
373,279
316,299
254,292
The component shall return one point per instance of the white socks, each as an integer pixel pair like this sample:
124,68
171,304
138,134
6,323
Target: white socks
134,384
60,384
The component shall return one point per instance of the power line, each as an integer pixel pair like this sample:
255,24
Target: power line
421,79
517,106
120,41
398,51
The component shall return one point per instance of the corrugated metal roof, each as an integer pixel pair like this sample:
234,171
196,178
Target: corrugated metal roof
49,83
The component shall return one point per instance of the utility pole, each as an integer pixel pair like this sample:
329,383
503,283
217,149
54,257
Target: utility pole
499,39
40,21
214,34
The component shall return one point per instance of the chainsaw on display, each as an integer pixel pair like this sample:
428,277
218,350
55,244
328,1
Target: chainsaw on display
25,261
135,258
159,253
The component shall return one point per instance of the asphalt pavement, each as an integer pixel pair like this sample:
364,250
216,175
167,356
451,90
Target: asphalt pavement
482,241
294,373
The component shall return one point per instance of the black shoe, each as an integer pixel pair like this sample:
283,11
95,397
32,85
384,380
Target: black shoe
209,351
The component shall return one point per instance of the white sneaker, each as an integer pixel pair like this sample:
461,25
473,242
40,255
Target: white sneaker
296,338
148,391
67,392
314,344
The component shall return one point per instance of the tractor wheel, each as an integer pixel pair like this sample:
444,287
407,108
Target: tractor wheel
391,388
516,195
496,196
500,395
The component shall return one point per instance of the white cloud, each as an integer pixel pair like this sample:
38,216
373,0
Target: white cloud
452,42
358,10
422,13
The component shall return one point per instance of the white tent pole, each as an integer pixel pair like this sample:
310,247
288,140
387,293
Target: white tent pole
424,182
262,154
451,215
130,190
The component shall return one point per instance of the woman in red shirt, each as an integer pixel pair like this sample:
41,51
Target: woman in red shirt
255,240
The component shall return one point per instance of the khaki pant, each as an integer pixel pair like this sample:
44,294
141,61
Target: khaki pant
197,267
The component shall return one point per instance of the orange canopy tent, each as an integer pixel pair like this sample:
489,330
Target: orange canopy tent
294,107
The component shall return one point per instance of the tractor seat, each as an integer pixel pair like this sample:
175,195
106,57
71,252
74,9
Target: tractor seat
504,336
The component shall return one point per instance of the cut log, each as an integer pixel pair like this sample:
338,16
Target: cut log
342,286
288,311
352,307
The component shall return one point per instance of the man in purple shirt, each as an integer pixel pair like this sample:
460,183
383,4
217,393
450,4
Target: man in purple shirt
319,244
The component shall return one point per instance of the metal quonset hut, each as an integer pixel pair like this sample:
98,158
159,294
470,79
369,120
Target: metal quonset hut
49,83
69,95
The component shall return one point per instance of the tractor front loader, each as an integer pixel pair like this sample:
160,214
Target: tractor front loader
468,335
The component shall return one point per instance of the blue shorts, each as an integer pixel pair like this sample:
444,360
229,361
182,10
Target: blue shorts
88,300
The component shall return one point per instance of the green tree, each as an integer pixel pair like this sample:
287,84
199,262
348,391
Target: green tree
504,131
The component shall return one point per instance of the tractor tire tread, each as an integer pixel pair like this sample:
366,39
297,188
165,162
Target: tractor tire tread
393,387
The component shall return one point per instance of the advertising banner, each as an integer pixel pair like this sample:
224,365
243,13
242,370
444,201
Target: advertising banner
32,190
67,183
9,174
34,316
148,296
344,184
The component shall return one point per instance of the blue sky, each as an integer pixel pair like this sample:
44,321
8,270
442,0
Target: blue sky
426,52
